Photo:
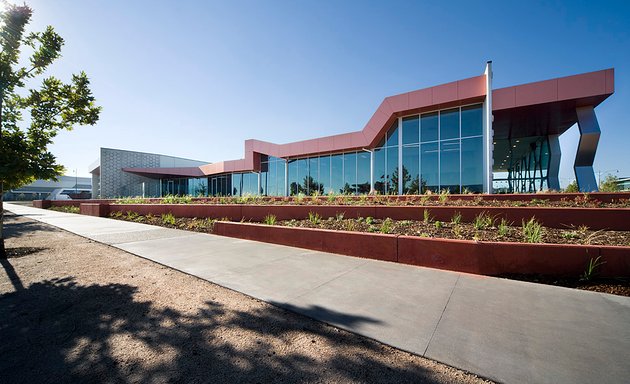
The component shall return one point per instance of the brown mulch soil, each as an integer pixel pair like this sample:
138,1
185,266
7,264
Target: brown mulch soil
76,311
465,231
443,230
618,286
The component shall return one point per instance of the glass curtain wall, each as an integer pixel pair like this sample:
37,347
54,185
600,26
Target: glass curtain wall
440,150
529,173
344,173
184,186
386,163
272,175
220,185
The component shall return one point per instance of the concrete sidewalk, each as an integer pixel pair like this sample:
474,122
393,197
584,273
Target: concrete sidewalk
505,330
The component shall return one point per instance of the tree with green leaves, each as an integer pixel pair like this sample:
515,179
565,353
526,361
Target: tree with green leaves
572,187
51,107
610,184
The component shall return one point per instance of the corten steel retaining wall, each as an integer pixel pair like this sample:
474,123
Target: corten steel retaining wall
94,209
484,258
564,218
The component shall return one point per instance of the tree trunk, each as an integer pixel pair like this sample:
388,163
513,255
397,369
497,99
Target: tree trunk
3,252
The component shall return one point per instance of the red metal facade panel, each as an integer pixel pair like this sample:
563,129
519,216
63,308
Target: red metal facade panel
503,98
471,88
591,84
421,98
610,81
536,93
445,93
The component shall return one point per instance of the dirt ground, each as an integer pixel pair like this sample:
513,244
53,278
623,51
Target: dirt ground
72,310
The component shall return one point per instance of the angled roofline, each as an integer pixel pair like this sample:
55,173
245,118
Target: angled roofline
441,96
587,88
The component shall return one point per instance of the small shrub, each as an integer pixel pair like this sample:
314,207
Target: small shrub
443,197
314,218
331,198
532,231
591,268
131,200
174,199
427,216
438,224
387,225
593,236
270,219
66,209
483,221
369,220
504,227
457,231
168,219
569,235
457,218
132,215
339,216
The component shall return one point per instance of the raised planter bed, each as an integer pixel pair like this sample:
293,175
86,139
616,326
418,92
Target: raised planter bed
593,218
601,197
485,258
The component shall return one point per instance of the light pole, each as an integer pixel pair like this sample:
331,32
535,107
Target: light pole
599,175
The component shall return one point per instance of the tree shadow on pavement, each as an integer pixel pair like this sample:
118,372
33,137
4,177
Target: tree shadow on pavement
61,331
18,226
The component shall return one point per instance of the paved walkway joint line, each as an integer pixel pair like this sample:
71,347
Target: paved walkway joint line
441,315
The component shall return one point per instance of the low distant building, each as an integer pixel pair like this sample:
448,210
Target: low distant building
153,175
42,189
624,183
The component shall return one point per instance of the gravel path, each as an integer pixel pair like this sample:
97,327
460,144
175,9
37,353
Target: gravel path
72,310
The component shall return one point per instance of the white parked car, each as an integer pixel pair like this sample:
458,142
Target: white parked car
60,194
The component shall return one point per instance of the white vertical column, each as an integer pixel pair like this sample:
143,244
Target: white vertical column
371,171
286,177
258,193
400,160
488,132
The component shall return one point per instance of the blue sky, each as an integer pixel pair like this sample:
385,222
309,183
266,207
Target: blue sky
196,78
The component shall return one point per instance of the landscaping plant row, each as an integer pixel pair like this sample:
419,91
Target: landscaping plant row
566,218
593,200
